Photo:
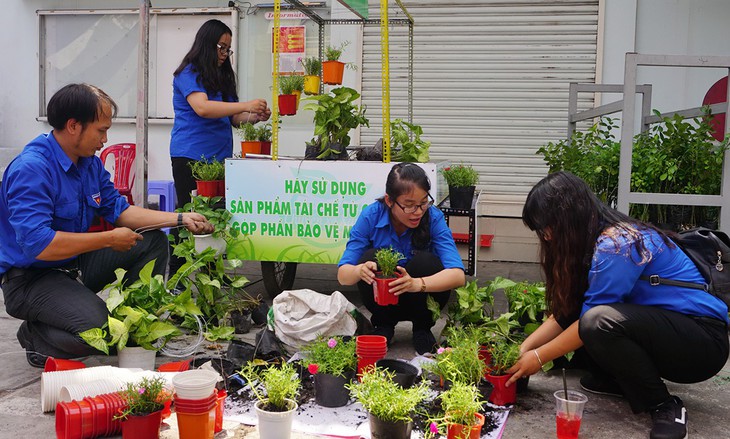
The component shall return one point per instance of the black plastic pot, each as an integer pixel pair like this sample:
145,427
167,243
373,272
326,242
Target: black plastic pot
380,429
223,366
405,373
522,383
258,315
330,391
461,197
240,352
241,321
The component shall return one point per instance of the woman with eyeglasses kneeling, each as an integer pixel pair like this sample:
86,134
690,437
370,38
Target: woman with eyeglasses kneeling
406,220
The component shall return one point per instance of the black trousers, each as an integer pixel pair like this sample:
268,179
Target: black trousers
411,306
182,175
641,345
56,306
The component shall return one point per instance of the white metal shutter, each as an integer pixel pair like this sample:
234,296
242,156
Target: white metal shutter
490,83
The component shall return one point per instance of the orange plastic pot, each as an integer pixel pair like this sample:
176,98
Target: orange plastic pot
311,85
219,410
332,72
56,364
250,147
287,105
459,431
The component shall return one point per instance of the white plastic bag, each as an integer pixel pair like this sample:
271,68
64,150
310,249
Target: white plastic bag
301,315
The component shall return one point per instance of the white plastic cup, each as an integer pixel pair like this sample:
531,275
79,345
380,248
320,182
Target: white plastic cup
79,391
569,413
195,384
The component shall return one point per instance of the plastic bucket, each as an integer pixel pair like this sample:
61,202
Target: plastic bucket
56,364
219,409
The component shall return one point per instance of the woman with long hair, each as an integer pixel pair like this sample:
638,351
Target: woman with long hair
406,220
206,105
636,334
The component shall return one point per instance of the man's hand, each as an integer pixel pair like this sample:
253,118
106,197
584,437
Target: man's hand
196,223
123,239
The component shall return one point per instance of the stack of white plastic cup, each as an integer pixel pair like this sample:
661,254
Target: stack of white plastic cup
195,384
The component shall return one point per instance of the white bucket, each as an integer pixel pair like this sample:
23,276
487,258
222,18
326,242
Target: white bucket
195,384
202,242
275,425
137,357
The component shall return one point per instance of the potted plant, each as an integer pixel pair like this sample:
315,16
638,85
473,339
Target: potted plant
333,363
142,413
474,305
527,301
209,177
140,316
390,407
263,135
290,87
335,114
462,180
249,139
333,69
460,361
406,143
276,401
312,69
213,209
241,306
504,354
387,259
460,405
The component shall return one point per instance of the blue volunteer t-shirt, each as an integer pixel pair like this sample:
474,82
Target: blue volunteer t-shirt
374,230
43,192
615,272
194,136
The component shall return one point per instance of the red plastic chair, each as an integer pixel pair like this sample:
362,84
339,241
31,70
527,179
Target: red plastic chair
123,176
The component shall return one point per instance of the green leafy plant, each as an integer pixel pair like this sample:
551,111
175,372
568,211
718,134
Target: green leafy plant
460,361
333,53
312,65
406,143
387,259
331,355
217,215
527,301
205,170
335,114
263,133
504,354
459,405
247,132
272,386
289,83
460,175
139,313
474,305
385,399
144,397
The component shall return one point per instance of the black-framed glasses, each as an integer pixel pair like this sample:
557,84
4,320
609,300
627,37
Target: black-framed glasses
222,49
413,209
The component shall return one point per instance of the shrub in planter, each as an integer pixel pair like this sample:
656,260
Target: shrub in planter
460,361
335,114
312,69
290,87
504,354
276,389
387,259
209,176
333,69
461,419
527,301
144,402
333,362
462,180
474,305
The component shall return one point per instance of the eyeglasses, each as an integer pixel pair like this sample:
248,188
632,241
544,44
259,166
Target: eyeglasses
223,49
413,209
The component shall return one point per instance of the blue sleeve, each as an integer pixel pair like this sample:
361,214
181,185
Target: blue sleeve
442,240
187,82
359,240
112,203
614,272
31,206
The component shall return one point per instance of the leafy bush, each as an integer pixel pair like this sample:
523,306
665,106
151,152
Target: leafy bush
312,66
279,384
385,399
504,354
406,143
204,170
460,175
144,397
387,259
332,355
289,83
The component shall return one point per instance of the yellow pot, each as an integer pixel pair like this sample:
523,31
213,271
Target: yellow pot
311,85
298,94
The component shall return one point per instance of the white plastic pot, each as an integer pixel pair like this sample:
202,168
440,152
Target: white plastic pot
203,242
80,391
52,382
137,357
275,425
195,384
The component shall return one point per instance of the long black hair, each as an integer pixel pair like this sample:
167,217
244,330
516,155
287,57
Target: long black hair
203,56
82,102
401,179
569,219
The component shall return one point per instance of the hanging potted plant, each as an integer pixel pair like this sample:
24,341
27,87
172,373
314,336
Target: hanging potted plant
290,87
504,354
276,405
460,405
312,68
263,135
462,180
335,114
250,143
142,414
390,407
333,363
387,259
333,69
209,177
139,318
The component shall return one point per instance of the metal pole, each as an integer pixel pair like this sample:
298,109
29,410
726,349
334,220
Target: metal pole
139,191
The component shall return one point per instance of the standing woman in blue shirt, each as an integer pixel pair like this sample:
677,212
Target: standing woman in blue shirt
636,334
206,105
405,219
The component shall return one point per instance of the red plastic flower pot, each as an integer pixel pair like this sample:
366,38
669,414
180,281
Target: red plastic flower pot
371,340
458,431
287,105
486,356
209,188
266,148
56,364
175,366
502,395
381,290
332,72
219,410
142,427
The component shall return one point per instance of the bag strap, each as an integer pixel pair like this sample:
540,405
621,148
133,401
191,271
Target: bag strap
655,280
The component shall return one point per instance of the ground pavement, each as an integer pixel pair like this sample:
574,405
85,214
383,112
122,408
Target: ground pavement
708,403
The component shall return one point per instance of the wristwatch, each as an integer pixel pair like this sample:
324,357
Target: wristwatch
179,219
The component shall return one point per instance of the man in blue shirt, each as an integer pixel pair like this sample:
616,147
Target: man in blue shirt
51,267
